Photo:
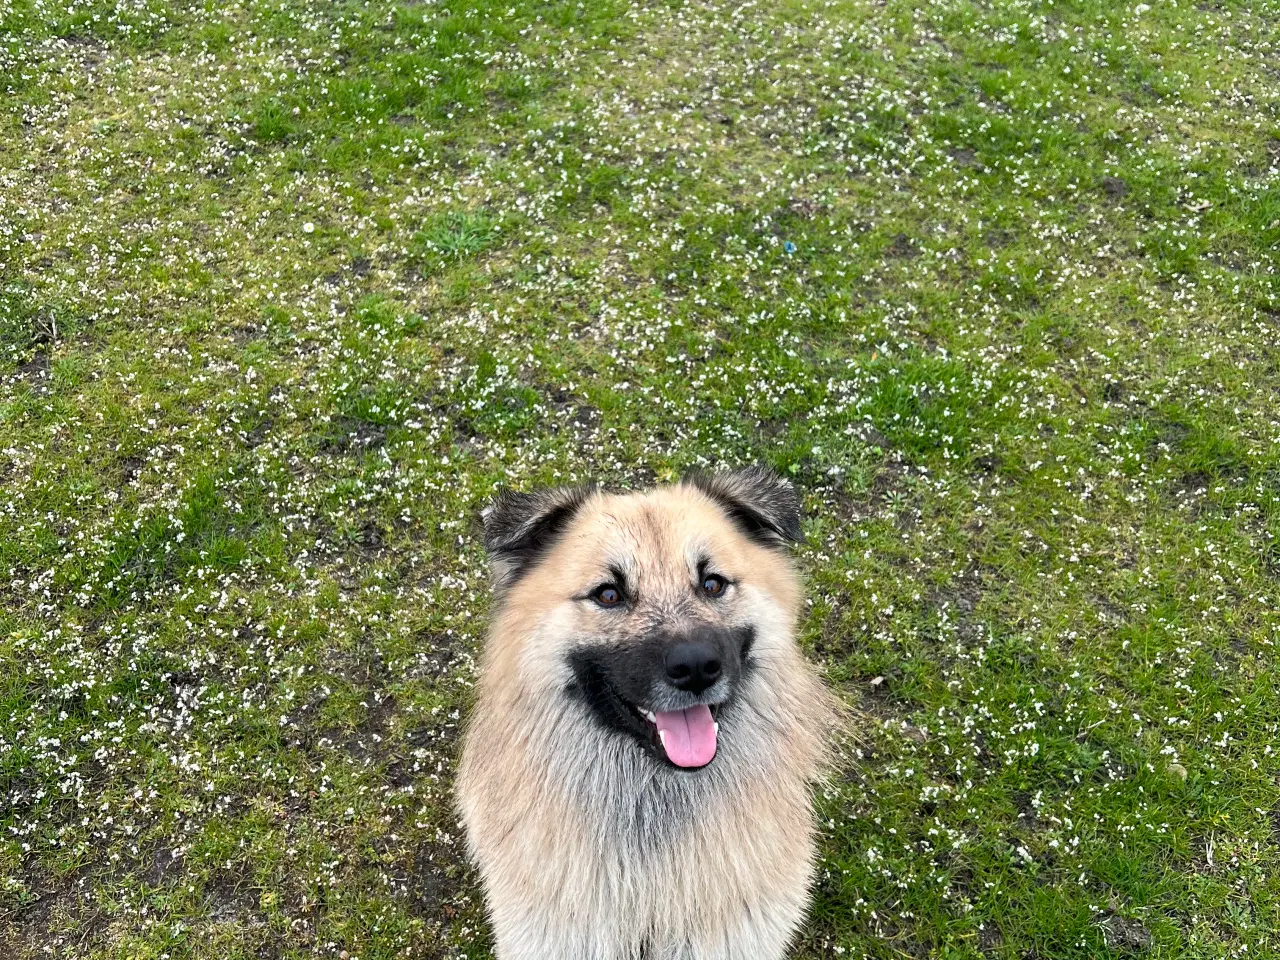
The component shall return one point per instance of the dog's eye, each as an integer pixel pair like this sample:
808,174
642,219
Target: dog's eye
713,585
607,595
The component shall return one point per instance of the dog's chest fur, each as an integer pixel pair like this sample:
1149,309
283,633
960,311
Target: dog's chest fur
608,855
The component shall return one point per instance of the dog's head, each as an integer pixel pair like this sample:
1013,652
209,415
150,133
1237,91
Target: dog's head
653,611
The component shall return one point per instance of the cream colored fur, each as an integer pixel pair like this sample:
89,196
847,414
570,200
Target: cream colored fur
588,846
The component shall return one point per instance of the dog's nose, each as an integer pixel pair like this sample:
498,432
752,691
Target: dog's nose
693,665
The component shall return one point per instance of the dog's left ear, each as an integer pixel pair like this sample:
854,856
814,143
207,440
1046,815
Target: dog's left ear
519,528
763,505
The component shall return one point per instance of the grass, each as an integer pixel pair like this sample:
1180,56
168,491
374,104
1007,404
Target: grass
288,290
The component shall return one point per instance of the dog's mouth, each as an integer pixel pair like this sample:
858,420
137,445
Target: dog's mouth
685,738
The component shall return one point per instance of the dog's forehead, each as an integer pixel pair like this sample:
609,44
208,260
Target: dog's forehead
665,523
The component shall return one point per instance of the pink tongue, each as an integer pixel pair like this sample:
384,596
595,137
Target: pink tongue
688,736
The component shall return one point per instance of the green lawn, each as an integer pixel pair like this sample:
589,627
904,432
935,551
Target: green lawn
288,289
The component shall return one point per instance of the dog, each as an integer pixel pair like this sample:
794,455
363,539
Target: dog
635,779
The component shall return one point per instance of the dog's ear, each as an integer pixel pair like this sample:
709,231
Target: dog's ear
519,528
763,505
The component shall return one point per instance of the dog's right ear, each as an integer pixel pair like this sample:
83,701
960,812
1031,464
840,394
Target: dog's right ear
763,505
519,528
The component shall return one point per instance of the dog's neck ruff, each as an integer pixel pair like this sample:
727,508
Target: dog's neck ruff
617,790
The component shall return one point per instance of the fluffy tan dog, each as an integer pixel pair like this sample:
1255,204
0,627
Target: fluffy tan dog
635,780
